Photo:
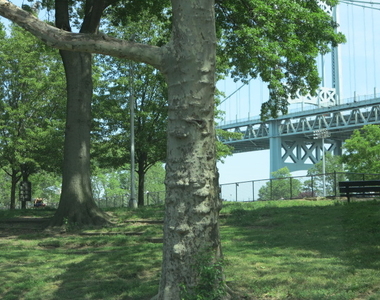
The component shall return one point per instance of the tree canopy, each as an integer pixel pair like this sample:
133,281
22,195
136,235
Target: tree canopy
280,186
362,150
334,173
277,41
31,106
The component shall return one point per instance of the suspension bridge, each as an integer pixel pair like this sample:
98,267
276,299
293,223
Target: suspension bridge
346,100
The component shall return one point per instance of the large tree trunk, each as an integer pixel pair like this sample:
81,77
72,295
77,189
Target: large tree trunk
192,200
77,204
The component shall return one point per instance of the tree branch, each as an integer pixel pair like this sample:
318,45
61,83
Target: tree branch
82,42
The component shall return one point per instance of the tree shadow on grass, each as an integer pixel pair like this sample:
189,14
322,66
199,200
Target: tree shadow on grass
290,247
100,267
130,272
338,230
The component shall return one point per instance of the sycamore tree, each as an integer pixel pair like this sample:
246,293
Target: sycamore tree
118,80
362,150
276,40
31,105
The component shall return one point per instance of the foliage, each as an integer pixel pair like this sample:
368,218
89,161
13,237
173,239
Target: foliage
111,187
281,186
5,188
112,115
278,41
46,185
32,102
334,173
210,284
120,83
108,184
155,178
223,150
362,150
32,97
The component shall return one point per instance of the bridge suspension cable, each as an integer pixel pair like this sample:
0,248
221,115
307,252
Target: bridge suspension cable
235,91
363,4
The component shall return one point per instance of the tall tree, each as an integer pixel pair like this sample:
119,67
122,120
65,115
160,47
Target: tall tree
188,62
362,150
31,106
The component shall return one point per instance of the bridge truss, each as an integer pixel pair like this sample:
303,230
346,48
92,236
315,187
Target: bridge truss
290,138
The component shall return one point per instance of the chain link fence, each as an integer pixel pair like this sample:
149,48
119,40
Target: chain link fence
155,198
113,201
297,187
151,198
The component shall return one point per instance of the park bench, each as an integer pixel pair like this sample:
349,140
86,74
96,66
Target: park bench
361,188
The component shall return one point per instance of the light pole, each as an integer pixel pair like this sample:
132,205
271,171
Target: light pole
132,200
322,134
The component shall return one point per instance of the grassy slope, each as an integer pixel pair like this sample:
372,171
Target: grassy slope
275,250
305,250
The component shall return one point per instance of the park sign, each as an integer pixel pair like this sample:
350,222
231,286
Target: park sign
25,191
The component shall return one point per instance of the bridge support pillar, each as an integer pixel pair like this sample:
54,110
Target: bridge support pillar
275,146
297,153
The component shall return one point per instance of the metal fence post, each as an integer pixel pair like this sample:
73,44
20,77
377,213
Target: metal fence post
271,189
236,191
253,190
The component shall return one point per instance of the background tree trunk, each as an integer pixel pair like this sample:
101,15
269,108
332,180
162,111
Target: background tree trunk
141,183
77,204
192,198
15,177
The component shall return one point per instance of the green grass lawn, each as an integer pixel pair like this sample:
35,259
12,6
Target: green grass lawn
274,250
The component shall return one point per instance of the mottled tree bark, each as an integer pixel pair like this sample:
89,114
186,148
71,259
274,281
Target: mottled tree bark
192,199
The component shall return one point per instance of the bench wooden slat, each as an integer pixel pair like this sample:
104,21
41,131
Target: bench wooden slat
360,183
356,188
360,189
